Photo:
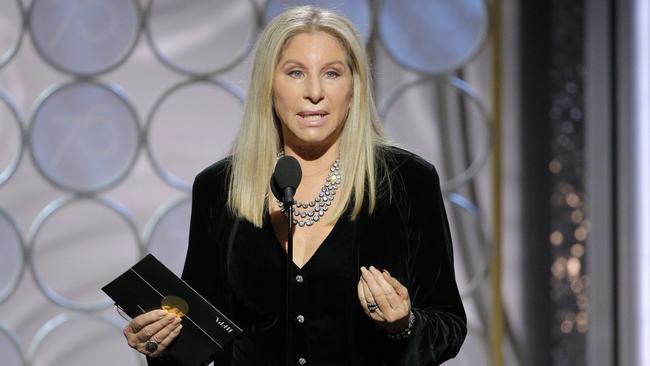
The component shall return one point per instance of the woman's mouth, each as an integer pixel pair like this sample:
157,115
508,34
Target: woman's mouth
312,118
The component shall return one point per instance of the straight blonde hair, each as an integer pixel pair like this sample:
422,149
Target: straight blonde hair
258,142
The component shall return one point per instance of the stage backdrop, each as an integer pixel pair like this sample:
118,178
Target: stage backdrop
108,109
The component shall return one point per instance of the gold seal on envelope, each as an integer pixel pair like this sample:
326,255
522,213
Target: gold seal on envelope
175,305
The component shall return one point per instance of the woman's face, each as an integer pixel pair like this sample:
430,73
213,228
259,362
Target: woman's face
312,87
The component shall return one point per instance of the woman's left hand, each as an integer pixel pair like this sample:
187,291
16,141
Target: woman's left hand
384,299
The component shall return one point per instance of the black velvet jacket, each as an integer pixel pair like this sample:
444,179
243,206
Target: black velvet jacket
240,269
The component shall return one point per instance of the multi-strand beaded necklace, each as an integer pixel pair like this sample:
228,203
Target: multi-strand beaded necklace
308,213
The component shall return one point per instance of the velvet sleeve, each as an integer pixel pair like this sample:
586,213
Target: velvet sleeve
440,323
200,269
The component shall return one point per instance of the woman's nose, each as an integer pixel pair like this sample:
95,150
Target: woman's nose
314,90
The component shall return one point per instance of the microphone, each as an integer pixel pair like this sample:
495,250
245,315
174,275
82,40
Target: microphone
285,180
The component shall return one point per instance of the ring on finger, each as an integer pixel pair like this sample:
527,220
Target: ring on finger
151,345
372,307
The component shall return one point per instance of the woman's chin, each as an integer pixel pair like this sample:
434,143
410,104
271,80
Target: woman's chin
311,142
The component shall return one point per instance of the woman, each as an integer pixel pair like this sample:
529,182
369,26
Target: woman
374,279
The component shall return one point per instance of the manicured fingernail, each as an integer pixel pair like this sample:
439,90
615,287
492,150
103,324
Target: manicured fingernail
388,273
363,269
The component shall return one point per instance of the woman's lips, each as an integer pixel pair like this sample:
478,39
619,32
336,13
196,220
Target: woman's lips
312,119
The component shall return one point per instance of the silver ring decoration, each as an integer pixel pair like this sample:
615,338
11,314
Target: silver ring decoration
433,37
71,21
33,235
486,246
18,120
11,336
162,217
13,284
372,307
184,70
166,175
485,148
64,318
92,116
151,346
8,55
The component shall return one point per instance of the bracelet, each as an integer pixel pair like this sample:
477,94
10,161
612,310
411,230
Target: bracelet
404,333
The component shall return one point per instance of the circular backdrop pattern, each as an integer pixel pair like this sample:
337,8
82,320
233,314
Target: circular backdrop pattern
10,352
167,232
209,37
59,238
478,273
12,29
12,256
78,339
358,11
180,148
11,137
84,37
84,136
452,94
433,36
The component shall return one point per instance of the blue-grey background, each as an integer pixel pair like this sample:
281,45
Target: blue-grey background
109,109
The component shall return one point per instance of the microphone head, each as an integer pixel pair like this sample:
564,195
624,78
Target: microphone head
287,174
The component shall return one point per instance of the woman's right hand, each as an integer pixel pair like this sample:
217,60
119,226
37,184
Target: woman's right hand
151,333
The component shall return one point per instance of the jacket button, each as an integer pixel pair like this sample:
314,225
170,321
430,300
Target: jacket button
302,361
299,279
300,319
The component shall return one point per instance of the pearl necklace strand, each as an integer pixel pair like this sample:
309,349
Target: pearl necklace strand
308,213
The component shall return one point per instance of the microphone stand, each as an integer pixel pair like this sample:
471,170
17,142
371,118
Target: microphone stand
288,208
286,179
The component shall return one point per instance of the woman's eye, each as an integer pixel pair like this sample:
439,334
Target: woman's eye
295,73
331,74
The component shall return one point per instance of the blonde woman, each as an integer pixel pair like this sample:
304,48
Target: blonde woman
374,277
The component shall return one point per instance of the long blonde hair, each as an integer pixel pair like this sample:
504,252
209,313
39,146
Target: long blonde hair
258,142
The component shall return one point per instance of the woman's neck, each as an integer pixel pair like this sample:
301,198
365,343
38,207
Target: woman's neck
313,162
315,167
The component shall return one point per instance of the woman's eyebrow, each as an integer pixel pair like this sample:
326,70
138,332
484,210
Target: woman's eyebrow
330,63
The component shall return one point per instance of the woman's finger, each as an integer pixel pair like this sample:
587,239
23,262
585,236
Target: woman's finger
367,294
400,289
367,298
374,312
172,336
376,291
361,295
389,292
142,346
166,331
143,320
150,330
170,332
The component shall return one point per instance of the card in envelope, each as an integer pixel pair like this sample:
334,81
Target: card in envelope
149,285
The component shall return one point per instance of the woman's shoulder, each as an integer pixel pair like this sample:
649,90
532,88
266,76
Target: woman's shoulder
213,178
407,164
405,177
216,170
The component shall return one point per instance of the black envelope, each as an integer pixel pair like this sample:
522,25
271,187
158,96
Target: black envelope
147,284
